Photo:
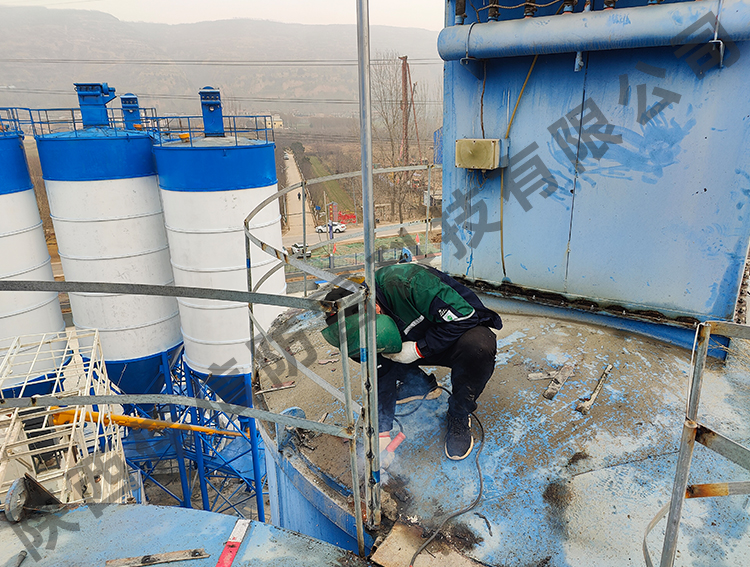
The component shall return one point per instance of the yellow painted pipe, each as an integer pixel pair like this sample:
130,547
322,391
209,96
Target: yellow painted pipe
67,416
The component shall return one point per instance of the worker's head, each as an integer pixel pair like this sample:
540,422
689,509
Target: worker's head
388,337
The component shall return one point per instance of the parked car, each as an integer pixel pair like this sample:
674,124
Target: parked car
297,250
337,227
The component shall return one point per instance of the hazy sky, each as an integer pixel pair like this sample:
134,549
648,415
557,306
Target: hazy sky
427,14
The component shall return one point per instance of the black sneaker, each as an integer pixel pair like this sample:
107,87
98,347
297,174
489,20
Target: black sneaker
458,439
418,389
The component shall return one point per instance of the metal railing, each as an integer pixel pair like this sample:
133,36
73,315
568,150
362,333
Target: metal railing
341,237
692,432
10,123
238,130
48,121
352,408
367,412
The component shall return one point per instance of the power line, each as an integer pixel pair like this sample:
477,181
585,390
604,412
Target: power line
226,98
215,62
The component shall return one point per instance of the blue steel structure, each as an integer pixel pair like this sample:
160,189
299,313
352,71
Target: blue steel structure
131,112
629,177
216,460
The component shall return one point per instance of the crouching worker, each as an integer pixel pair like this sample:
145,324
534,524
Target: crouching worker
440,323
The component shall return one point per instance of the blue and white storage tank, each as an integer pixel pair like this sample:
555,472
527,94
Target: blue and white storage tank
104,203
211,177
23,249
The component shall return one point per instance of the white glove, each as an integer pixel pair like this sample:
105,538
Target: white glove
409,353
388,448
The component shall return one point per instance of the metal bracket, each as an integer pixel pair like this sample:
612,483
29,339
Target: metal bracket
475,66
284,434
717,43
158,558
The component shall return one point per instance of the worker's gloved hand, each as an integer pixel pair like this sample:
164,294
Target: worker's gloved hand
388,448
409,353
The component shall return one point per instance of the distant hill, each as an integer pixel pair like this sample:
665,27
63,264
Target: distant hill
67,36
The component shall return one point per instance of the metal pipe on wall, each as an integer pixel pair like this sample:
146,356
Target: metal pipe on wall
624,28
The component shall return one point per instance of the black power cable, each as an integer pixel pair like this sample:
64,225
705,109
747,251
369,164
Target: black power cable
478,498
464,510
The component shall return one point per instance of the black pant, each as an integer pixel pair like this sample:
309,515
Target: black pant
471,360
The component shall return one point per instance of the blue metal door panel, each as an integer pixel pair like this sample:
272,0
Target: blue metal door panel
660,221
640,231
536,229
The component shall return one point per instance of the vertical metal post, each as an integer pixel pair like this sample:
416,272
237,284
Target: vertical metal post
696,383
687,444
249,385
365,109
253,432
372,447
352,424
176,437
201,469
304,230
427,206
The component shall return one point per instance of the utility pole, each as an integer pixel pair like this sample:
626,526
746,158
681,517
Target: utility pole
405,91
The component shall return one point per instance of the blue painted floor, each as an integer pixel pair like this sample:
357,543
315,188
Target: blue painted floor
94,535
560,488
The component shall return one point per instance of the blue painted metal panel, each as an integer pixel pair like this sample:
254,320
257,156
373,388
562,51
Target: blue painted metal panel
535,241
93,535
216,168
229,388
662,219
437,144
95,154
15,170
140,375
300,505
633,226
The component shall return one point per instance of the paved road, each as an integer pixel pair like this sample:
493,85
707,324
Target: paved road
294,214
294,209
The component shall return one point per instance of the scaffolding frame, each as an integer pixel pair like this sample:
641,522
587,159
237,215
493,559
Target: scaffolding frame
77,456
693,431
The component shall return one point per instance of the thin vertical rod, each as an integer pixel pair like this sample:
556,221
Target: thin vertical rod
176,437
248,256
427,206
687,444
352,423
701,352
198,439
365,127
304,230
257,474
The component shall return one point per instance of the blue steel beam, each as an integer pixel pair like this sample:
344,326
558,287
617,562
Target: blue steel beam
625,28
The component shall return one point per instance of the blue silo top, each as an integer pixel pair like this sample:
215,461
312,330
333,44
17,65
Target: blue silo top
216,164
96,154
15,170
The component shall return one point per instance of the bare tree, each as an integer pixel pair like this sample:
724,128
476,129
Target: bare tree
396,121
